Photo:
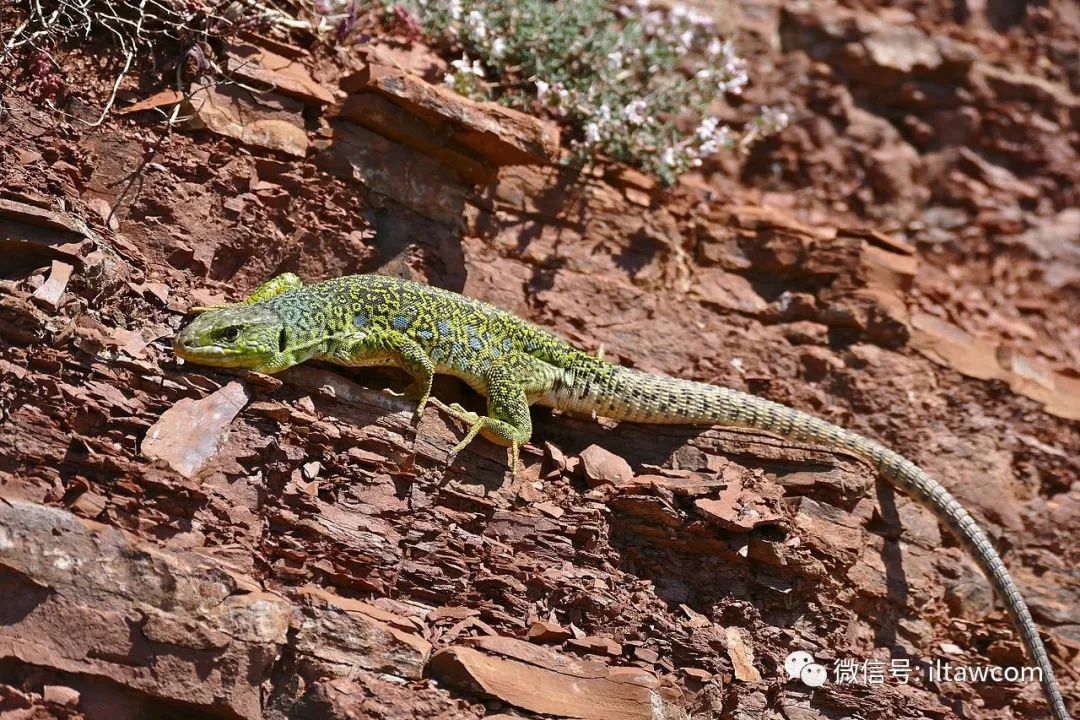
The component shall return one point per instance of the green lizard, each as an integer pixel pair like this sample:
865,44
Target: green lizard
366,320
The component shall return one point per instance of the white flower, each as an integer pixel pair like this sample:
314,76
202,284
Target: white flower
713,135
541,89
699,19
455,9
475,21
449,79
773,120
643,5
668,157
615,58
707,128
715,47
635,112
734,85
498,47
463,65
592,133
686,39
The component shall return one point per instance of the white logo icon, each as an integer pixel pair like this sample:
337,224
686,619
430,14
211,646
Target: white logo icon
814,675
800,665
795,662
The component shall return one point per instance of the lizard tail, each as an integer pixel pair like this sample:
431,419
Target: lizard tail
625,394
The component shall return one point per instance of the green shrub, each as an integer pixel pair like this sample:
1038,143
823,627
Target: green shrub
624,78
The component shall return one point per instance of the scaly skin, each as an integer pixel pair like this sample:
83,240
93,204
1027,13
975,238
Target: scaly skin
365,320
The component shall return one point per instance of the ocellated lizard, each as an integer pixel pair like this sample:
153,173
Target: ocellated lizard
366,320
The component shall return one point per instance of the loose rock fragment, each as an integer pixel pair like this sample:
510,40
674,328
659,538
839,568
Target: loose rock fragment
52,290
542,681
742,656
188,434
603,467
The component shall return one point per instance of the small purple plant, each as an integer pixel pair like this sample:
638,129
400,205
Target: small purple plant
348,23
46,82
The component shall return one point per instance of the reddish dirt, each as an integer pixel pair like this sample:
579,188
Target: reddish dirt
904,259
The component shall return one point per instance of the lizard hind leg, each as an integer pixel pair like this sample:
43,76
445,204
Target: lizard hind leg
271,288
511,380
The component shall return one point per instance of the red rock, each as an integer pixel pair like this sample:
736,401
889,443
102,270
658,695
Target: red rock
742,656
498,134
596,645
697,674
727,291
270,121
188,434
602,467
555,459
60,695
951,346
91,597
547,632
283,75
52,290
550,509
418,182
646,655
341,633
455,613
736,510
44,218
432,139
547,683
159,99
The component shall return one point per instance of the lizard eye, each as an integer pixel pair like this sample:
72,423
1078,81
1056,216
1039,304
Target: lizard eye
230,334
282,341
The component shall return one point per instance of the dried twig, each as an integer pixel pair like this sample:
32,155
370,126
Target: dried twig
136,27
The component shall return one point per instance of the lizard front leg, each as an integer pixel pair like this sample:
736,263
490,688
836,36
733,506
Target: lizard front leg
389,348
271,288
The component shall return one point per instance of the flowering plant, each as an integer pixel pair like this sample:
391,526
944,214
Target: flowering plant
627,79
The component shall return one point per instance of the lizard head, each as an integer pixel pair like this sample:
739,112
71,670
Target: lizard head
253,337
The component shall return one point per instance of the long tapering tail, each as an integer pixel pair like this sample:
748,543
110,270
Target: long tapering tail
625,394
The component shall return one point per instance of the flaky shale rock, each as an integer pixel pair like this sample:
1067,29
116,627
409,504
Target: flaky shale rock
92,600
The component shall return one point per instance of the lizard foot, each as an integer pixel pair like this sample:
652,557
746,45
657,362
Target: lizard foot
474,421
498,431
412,393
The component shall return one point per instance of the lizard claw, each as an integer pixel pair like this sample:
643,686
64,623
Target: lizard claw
474,421
412,393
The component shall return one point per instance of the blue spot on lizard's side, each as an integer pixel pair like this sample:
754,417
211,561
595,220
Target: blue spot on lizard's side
425,333
361,319
444,327
400,322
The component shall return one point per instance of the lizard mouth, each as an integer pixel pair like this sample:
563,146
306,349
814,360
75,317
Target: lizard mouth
228,338
187,346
